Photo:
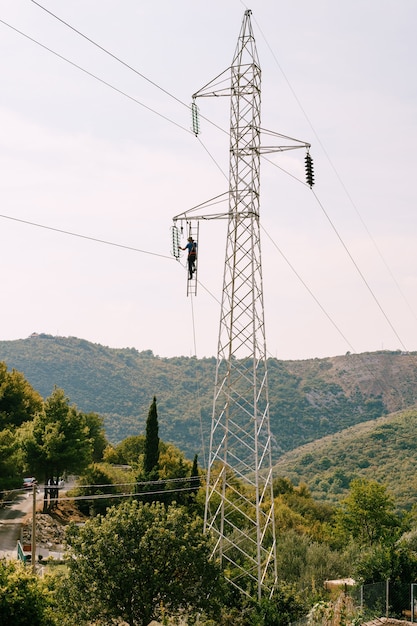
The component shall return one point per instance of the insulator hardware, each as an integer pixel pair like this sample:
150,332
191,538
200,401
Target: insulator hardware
175,242
309,170
195,119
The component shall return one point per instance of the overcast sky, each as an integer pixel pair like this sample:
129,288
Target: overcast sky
115,162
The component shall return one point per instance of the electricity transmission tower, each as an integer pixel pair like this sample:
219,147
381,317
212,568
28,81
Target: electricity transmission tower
239,510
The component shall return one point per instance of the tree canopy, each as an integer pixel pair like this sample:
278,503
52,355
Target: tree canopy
367,514
57,440
23,598
18,400
150,462
137,561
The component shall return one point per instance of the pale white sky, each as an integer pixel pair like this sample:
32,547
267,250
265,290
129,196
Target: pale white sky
76,155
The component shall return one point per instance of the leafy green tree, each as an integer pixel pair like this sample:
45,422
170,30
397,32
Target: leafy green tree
137,561
10,460
95,481
131,449
57,441
150,462
285,607
110,455
96,434
367,514
24,599
282,485
18,400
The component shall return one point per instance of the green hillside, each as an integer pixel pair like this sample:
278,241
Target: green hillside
384,450
309,399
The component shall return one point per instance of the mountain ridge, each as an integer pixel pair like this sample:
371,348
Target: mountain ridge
309,399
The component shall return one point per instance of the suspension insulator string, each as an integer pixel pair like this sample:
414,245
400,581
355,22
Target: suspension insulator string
175,242
195,118
309,170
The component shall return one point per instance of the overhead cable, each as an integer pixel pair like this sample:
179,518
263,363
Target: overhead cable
127,65
67,232
100,80
360,273
339,178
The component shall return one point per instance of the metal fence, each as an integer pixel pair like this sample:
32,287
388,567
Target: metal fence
387,599
365,603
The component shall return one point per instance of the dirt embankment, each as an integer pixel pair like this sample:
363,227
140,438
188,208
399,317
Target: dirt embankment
50,527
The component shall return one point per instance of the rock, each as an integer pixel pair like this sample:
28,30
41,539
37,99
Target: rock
49,533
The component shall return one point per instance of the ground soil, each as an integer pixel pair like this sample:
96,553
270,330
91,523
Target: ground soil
67,512
50,527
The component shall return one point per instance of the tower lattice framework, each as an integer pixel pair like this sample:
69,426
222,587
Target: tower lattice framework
240,512
239,508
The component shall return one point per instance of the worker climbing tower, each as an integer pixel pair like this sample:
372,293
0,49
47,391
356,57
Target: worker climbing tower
239,509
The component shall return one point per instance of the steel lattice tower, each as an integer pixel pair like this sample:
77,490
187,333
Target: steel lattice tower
240,512
239,509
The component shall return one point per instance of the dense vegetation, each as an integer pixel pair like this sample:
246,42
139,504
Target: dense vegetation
384,449
308,399
142,555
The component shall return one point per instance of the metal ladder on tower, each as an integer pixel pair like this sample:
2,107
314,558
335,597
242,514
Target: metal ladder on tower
192,230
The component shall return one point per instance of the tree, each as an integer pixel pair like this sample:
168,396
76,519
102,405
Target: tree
24,598
137,561
10,461
285,607
195,481
148,476
150,462
18,400
95,481
367,514
130,449
57,441
96,434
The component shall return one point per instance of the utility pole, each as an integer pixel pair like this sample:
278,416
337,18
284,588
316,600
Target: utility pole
33,542
239,510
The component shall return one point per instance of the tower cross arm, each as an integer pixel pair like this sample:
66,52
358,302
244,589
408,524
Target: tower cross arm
219,86
289,142
191,214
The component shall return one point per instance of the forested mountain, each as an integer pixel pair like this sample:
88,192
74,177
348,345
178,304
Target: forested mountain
309,399
384,450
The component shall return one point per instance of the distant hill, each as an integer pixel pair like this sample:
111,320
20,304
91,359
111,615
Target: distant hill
309,399
384,450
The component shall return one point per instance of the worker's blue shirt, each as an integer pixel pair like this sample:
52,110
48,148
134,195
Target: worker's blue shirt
191,247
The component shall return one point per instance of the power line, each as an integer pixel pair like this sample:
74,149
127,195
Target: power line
108,496
101,80
331,320
94,43
360,273
339,178
73,234
127,65
383,384
186,480
188,131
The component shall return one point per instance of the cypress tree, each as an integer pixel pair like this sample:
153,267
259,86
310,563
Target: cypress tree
151,458
195,479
